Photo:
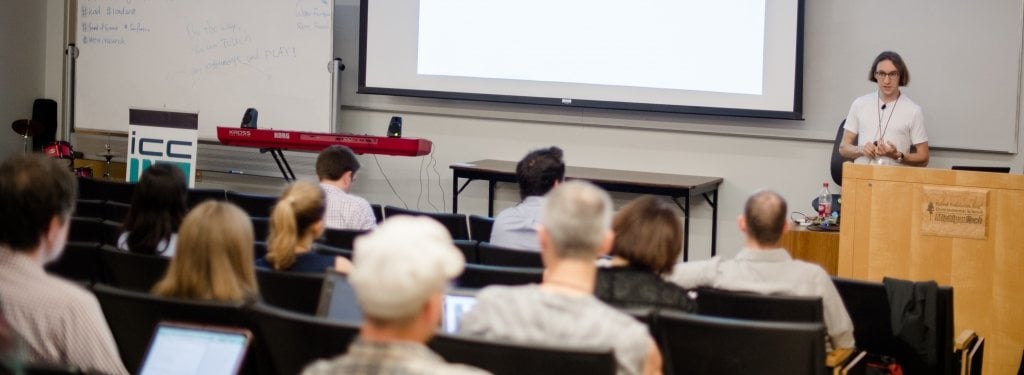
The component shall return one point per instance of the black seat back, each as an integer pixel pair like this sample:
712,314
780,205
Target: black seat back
469,250
751,306
477,276
456,223
507,358
80,261
480,227
133,317
197,196
297,339
341,238
493,255
294,291
868,305
699,345
131,271
256,205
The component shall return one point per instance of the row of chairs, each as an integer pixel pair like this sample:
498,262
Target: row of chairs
285,342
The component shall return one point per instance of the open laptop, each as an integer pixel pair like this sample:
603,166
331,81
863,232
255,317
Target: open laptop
981,169
179,348
338,300
456,302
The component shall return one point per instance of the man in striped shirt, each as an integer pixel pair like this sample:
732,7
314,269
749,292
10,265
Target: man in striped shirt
60,323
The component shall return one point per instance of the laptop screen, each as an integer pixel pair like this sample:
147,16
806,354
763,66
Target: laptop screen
338,300
193,349
456,303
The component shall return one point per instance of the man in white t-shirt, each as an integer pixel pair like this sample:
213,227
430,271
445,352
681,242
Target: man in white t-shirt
886,127
336,166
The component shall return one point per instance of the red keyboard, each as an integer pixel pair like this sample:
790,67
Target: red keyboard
315,142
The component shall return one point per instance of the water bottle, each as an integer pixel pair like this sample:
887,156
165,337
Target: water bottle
824,203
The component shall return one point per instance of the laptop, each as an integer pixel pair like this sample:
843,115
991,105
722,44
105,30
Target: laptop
456,302
179,348
338,300
981,169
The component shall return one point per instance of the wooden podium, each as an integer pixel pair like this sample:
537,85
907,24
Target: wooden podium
959,228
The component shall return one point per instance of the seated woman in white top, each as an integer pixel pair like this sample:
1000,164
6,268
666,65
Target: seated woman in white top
158,206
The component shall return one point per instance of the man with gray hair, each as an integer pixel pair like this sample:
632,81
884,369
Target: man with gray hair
575,228
765,267
400,271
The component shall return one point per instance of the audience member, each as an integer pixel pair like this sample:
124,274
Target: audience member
61,323
158,205
214,259
297,220
764,267
648,240
400,271
575,229
538,172
336,166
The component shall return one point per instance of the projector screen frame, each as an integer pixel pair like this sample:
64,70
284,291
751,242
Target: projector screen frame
795,114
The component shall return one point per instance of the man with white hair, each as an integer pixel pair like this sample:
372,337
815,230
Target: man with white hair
575,228
400,271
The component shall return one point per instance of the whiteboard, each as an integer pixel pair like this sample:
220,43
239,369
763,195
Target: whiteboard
212,57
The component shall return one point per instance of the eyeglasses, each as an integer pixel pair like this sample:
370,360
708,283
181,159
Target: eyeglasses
880,75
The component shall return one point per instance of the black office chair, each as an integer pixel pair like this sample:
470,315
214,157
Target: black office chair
256,205
456,223
131,271
296,340
837,160
751,306
133,317
703,345
341,238
492,255
501,358
480,227
197,196
469,250
294,291
477,276
79,262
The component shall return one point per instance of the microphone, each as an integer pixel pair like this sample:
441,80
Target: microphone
883,106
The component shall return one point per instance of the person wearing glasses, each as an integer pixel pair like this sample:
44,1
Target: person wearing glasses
886,127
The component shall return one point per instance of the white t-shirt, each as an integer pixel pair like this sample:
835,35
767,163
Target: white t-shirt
166,247
901,122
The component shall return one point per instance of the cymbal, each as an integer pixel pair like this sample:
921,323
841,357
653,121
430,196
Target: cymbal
28,128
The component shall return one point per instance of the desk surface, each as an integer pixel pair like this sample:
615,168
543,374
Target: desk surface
696,184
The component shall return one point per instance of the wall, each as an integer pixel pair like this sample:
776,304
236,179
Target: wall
794,167
22,33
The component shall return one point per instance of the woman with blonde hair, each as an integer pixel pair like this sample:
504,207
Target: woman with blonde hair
648,240
214,260
296,220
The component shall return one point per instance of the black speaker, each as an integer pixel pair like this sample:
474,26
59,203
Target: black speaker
395,128
45,112
249,118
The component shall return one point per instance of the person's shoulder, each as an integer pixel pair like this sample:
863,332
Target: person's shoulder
866,99
909,103
64,295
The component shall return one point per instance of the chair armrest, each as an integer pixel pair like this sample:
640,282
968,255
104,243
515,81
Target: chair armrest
964,340
837,357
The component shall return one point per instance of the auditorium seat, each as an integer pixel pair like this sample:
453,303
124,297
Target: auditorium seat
704,345
456,223
493,255
131,271
480,227
341,238
477,276
297,339
92,208
260,228
116,211
133,316
378,212
294,291
502,358
752,306
80,261
469,250
86,229
256,205
197,196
